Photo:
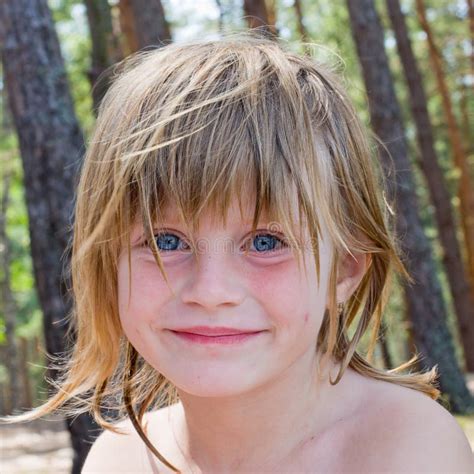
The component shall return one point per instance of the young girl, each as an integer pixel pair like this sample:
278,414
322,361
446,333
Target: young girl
215,170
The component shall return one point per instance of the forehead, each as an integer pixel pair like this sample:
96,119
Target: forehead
239,209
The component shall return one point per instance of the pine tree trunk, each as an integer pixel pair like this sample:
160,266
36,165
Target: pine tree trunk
452,260
25,376
51,146
256,13
426,308
144,23
383,342
466,185
303,32
470,12
465,91
105,47
272,15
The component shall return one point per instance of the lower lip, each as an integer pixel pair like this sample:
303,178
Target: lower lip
226,340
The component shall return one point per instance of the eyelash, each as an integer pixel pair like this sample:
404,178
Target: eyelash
281,241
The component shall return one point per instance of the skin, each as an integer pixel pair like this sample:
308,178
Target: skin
230,395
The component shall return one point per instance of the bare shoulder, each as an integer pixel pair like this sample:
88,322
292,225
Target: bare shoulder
410,432
113,452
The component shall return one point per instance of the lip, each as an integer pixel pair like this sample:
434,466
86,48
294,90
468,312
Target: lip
214,331
228,339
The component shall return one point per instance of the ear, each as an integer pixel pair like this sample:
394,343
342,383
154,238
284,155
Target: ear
351,270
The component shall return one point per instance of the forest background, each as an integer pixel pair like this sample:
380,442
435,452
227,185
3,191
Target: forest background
430,64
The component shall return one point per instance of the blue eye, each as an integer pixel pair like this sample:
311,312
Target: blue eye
166,242
268,242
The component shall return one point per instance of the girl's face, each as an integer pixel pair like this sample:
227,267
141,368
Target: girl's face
217,285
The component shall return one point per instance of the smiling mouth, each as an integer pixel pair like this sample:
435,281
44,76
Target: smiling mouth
225,339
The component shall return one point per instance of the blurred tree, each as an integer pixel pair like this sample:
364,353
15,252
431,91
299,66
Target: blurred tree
466,88
143,24
304,36
272,14
221,8
257,14
51,145
470,12
457,279
426,308
106,49
386,357
466,185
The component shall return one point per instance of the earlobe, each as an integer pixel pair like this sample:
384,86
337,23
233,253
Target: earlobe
351,270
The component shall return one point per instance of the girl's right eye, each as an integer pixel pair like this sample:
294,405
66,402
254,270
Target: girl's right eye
168,242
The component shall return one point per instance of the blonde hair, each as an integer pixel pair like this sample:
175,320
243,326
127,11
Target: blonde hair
193,123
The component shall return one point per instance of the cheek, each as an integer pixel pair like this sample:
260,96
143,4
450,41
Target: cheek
286,295
141,297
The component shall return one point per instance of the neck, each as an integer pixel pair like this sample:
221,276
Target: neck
264,427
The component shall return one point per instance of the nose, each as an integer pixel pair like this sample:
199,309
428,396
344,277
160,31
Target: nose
213,283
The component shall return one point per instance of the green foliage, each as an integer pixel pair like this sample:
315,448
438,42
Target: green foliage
21,273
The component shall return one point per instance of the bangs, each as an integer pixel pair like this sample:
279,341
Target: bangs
241,130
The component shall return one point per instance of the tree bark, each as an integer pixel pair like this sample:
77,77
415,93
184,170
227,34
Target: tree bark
51,146
466,185
452,260
256,12
465,91
425,305
383,341
470,12
144,24
105,47
25,376
272,15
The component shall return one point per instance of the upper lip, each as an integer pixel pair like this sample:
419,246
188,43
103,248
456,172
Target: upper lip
215,331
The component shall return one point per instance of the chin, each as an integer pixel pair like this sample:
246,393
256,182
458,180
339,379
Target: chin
209,392
214,383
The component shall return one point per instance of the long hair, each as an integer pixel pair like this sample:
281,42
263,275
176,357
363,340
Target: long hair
193,123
